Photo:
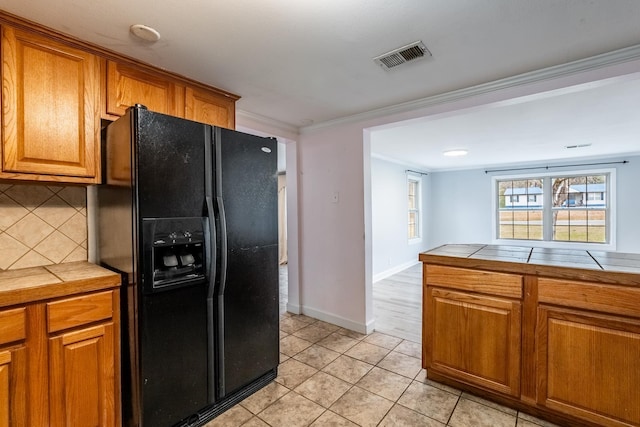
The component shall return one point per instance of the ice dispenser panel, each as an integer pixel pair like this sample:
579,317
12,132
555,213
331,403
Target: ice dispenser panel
174,250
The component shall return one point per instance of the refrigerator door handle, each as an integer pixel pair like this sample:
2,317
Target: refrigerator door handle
223,245
211,243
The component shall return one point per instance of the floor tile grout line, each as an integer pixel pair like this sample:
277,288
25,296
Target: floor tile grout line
352,385
459,394
453,410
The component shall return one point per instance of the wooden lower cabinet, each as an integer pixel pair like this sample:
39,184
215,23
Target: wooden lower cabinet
59,362
565,349
81,377
475,338
14,405
588,365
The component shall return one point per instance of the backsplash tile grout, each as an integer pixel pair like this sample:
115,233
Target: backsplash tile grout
42,225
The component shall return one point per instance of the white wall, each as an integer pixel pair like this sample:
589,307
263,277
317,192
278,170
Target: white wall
391,249
459,208
461,205
332,247
628,206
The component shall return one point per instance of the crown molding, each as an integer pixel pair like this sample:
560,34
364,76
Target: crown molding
395,161
615,57
284,130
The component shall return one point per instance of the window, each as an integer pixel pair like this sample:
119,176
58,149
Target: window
555,208
413,197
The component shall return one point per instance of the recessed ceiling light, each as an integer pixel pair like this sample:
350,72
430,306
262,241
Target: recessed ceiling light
145,33
455,153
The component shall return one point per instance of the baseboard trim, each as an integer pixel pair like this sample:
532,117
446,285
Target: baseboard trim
338,320
293,308
394,270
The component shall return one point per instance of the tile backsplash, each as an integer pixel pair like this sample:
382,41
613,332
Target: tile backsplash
42,225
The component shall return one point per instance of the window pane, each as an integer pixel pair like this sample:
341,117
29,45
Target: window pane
519,214
580,208
413,225
596,226
412,190
505,224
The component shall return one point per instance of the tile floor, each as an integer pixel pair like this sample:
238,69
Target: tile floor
330,376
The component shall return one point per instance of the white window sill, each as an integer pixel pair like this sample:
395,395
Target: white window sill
610,247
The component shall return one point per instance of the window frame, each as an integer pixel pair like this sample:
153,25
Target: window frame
418,180
610,223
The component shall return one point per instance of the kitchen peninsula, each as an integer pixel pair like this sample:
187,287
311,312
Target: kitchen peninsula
553,332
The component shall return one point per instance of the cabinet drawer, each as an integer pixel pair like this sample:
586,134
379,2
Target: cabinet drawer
12,325
503,284
623,300
72,312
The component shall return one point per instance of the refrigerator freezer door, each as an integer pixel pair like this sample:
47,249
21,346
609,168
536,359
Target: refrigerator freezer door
173,355
246,185
170,165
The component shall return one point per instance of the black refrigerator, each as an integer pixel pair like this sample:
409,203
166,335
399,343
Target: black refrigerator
187,213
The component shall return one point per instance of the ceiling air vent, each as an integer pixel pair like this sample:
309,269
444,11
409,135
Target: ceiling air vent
401,55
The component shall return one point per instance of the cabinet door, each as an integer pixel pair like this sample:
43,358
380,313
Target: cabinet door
81,377
208,107
13,369
127,86
14,405
474,338
50,107
588,365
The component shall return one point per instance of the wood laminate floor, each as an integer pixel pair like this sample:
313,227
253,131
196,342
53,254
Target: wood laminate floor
397,304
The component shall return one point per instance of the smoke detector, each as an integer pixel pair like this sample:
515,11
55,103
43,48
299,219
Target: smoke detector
145,33
399,56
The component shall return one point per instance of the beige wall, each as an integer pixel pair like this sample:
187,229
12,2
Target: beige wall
42,225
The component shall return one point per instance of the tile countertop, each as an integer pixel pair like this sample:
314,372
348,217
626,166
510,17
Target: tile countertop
606,267
53,281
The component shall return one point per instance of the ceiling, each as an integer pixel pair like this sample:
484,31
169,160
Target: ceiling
592,121
300,63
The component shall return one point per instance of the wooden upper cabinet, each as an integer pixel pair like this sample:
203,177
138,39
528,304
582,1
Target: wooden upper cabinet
50,106
127,85
211,108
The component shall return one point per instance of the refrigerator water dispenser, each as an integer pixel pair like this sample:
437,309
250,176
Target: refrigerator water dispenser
175,252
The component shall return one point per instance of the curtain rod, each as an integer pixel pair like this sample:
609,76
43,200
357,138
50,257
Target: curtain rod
558,166
416,172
